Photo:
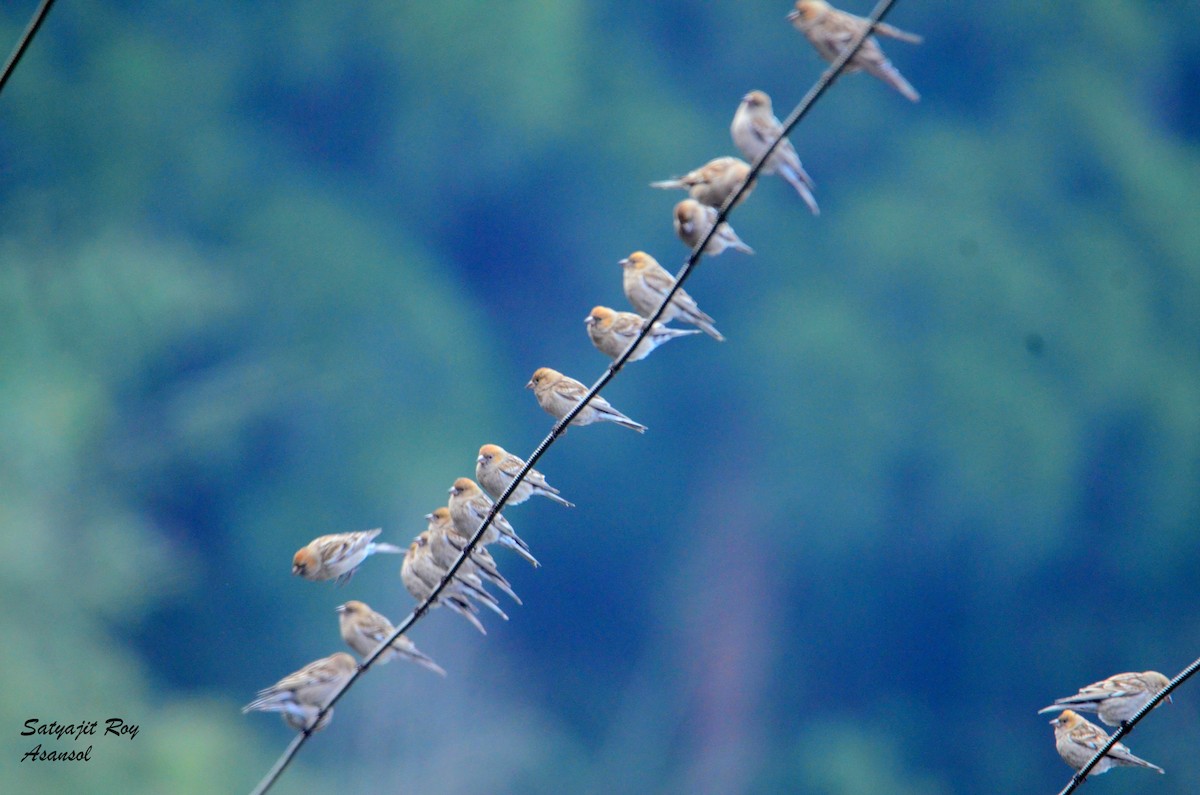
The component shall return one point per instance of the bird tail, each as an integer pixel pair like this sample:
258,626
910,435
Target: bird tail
803,185
893,32
554,496
520,547
668,184
392,549
891,75
465,609
424,661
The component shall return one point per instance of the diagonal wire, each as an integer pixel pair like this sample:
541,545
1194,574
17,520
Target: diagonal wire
1127,726
31,29
801,110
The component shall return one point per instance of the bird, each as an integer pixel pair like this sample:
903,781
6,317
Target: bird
1078,740
753,129
446,545
692,222
302,694
421,589
469,506
557,394
495,468
831,31
464,583
612,332
714,182
647,284
1115,699
338,556
363,630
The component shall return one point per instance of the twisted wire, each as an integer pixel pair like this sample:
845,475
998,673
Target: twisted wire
39,16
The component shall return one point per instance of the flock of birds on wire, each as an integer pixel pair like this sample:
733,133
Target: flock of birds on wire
300,696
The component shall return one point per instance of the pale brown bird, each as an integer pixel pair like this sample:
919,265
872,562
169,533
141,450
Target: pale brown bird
363,630
465,583
714,182
1078,740
692,222
613,332
1115,699
647,284
420,589
469,506
831,31
303,693
557,394
495,468
338,556
446,545
753,129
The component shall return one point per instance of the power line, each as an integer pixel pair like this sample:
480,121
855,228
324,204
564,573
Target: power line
801,110
1127,726
31,29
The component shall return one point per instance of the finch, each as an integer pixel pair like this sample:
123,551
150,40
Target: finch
613,332
647,284
420,589
338,556
465,583
753,129
692,222
446,545
714,182
495,468
831,31
1078,740
557,394
303,693
469,506
1115,699
363,630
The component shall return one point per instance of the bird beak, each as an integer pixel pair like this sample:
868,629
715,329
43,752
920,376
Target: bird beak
530,384
450,490
587,321
1055,722
793,16
429,517
340,609
477,461
624,263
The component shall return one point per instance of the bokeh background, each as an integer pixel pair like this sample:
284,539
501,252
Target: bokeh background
275,270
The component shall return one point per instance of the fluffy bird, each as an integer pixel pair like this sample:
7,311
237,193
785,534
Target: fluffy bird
1115,699
647,284
495,468
831,31
613,332
469,506
464,583
557,394
302,694
1078,740
421,589
446,545
692,222
714,182
363,630
753,129
338,556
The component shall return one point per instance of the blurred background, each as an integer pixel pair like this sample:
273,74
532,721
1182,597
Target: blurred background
275,270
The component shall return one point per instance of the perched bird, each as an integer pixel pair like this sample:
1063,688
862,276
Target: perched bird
692,222
363,630
557,394
464,583
421,589
299,721
469,506
831,31
714,182
1115,699
303,693
647,284
613,332
753,129
338,556
1078,740
495,468
446,545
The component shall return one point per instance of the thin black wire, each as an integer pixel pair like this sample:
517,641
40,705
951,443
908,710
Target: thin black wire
819,88
1127,726
31,29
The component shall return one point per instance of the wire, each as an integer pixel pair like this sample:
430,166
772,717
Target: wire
818,89
1127,726
39,16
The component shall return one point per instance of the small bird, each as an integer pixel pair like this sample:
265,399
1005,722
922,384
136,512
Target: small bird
495,468
363,630
1078,740
420,589
302,694
831,31
557,394
692,222
647,284
465,582
753,129
299,721
446,545
338,556
613,332
1115,699
714,182
469,506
